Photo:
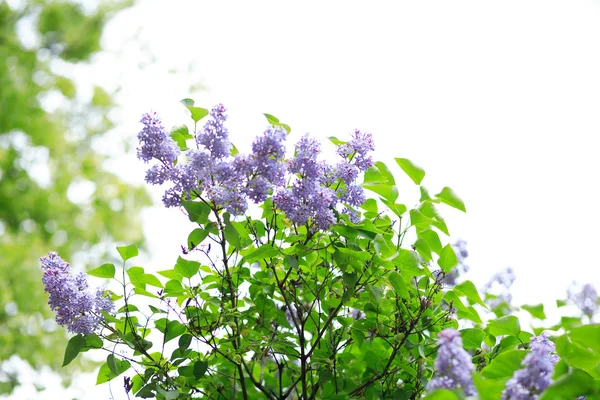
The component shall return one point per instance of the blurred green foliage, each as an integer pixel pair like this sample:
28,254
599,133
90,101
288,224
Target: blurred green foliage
36,214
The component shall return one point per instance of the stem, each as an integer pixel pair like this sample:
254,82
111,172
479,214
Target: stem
237,341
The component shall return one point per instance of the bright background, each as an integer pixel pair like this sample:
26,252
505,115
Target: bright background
498,100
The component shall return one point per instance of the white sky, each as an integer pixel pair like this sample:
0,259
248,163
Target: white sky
498,100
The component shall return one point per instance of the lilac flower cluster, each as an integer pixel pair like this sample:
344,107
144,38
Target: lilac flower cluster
210,170
453,364
528,383
584,297
503,280
76,307
317,188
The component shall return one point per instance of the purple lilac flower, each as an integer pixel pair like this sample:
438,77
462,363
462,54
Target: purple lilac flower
267,156
229,182
357,149
305,160
528,383
76,307
584,297
504,281
156,142
214,136
308,199
453,364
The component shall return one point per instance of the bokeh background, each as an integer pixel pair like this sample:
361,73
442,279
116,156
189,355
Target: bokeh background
498,100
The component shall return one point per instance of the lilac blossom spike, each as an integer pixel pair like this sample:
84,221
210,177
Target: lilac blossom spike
584,297
155,141
214,136
453,364
76,307
529,382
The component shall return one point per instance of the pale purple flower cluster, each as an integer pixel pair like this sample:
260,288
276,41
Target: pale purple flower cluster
155,141
585,298
210,171
309,198
453,364
503,281
320,187
76,306
528,383
229,181
214,136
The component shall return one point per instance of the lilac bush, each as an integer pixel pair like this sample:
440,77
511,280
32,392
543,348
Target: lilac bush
314,294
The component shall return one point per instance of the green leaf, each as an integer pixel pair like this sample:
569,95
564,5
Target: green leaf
537,311
587,335
428,209
408,263
200,368
447,259
186,268
389,193
358,336
504,365
507,325
103,271
167,394
370,205
469,290
174,329
275,122
472,337
263,252
92,341
449,197
173,287
373,175
396,208
398,284
197,211
359,255
443,394
414,172
74,347
463,311
144,292
579,354
432,239
180,134
106,373
423,249
424,194
489,389
197,112
184,341
232,236
136,277
385,171
111,361
196,237
152,280
336,141
127,252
